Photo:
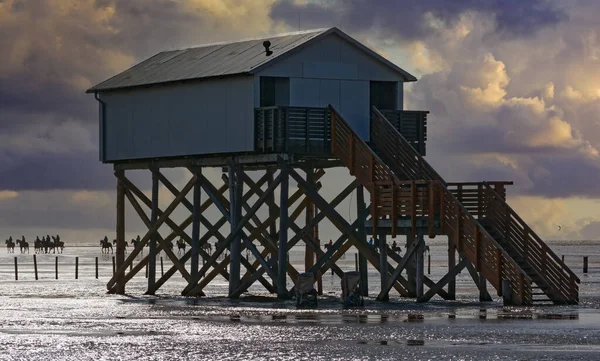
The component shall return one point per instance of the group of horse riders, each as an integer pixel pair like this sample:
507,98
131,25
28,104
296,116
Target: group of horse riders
135,242
41,245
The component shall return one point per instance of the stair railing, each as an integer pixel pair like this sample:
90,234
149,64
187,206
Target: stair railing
465,232
530,247
390,196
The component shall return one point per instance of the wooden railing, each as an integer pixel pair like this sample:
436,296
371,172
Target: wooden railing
412,124
530,247
286,129
489,258
472,195
390,197
401,156
467,234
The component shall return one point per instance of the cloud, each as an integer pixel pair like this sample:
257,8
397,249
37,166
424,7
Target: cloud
412,20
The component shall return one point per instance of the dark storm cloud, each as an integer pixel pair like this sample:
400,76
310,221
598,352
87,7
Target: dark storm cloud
48,171
405,19
50,58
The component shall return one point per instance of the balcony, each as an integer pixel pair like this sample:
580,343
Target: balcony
307,130
292,130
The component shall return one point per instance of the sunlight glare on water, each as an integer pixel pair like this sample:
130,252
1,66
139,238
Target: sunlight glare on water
70,319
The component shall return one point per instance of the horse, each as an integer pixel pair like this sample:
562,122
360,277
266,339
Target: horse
10,245
136,243
38,245
207,247
24,245
57,244
106,246
125,247
395,248
181,247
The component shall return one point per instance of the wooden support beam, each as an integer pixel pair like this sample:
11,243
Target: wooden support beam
162,219
140,265
195,227
383,265
249,278
282,260
431,216
441,283
176,262
152,249
394,209
216,197
120,257
334,216
408,255
191,290
451,265
235,212
309,256
361,214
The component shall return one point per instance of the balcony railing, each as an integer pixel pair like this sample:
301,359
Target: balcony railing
307,130
412,124
298,130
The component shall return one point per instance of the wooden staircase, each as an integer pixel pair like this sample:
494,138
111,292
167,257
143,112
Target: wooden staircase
403,184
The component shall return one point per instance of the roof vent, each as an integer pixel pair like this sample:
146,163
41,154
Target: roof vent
267,44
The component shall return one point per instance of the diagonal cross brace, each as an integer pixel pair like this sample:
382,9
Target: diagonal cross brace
401,265
191,290
444,281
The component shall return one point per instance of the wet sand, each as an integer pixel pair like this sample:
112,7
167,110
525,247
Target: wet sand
69,319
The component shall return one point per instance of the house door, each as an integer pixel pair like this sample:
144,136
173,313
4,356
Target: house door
384,95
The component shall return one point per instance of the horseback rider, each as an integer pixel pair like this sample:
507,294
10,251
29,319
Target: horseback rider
57,239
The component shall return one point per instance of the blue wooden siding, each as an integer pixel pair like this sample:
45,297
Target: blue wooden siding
333,71
211,116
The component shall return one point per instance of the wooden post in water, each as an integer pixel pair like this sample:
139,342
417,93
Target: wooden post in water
120,258
153,239
162,268
282,292
56,267
585,264
16,270
76,268
35,267
96,267
356,262
114,265
562,258
507,293
428,262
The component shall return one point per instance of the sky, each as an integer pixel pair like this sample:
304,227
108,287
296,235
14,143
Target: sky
513,88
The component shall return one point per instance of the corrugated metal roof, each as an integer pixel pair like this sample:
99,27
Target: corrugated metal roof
219,59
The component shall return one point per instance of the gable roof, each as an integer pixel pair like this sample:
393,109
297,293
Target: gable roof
224,59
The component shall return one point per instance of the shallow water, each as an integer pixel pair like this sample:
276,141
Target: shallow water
68,319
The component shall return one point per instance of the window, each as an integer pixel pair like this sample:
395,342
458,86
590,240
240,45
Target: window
274,91
384,94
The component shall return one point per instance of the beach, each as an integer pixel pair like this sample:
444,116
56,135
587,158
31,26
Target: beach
68,319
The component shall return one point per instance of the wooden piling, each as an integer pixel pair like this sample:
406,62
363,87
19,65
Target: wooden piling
16,270
162,268
356,262
56,267
114,265
283,236
507,293
120,230
428,263
96,267
35,271
76,268
585,264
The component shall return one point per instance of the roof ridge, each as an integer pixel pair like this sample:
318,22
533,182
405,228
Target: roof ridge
265,37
